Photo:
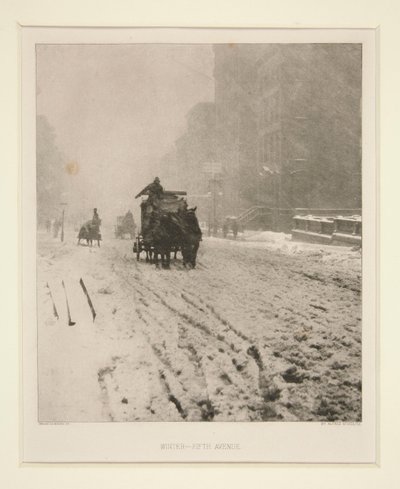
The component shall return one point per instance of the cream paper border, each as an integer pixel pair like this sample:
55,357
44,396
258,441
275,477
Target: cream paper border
384,14
141,442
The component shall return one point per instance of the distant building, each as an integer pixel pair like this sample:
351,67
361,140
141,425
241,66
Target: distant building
288,125
236,123
184,166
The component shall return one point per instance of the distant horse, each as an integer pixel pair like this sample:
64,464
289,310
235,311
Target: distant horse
90,232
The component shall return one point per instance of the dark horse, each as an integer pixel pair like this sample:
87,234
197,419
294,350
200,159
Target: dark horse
90,232
190,235
162,238
175,231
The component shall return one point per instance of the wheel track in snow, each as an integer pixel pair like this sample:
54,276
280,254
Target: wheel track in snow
188,322
188,303
206,409
188,401
261,378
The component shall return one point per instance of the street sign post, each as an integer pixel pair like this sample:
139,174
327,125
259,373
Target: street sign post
63,204
214,169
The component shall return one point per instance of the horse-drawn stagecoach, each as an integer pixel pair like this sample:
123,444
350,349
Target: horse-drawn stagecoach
167,226
125,226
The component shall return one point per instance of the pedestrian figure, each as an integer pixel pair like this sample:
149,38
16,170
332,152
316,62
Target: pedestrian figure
56,227
94,228
215,230
235,228
225,228
96,219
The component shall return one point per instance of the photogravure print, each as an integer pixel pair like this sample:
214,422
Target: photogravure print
199,234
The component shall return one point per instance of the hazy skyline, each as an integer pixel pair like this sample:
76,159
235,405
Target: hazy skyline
116,110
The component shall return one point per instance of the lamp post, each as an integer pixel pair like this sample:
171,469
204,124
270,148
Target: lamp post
276,184
64,205
209,194
214,170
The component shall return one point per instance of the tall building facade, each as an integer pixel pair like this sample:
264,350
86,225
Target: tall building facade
288,125
236,96
185,166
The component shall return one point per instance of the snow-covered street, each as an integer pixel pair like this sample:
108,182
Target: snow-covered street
262,330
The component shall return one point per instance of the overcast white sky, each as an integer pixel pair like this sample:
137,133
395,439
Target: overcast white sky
117,109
